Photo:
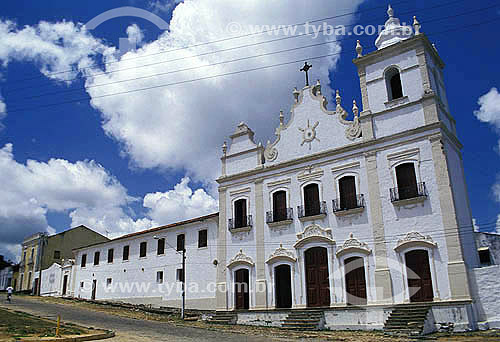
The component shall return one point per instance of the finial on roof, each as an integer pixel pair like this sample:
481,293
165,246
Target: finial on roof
359,49
282,117
355,108
390,12
224,148
337,97
296,94
416,25
434,46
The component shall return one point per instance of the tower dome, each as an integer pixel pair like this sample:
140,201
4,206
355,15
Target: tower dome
393,32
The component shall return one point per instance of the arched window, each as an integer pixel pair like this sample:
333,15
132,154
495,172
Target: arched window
311,200
394,86
240,213
407,181
347,189
279,206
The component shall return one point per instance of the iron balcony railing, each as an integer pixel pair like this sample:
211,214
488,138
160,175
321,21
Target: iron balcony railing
398,194
354,202
240,222
313,209
279,215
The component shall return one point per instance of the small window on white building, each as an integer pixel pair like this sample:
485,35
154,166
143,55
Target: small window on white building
82,284
109,281
484,256
179,275
159,277
394,85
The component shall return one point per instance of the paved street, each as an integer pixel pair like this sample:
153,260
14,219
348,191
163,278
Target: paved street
126,329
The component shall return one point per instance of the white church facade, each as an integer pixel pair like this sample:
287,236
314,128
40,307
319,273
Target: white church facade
352,213
365,212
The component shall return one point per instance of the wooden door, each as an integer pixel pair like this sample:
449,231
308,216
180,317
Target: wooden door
279,206
65,285
355,281
311,199
283,288
317,283
407,181
94,289
419,276
347,189
241,290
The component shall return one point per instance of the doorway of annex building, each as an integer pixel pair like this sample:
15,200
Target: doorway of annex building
283,280
317,282
419,276
241,290
355,281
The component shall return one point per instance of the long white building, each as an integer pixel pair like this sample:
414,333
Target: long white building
146,267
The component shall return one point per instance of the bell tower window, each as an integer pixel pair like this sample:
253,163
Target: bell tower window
394,85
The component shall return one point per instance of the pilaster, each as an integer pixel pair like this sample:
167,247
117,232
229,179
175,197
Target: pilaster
221,291
457,273
261,282
383,283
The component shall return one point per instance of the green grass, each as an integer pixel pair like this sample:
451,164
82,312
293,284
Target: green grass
20,324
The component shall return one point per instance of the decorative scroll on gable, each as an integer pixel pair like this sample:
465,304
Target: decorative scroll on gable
314,232
280,254
240,259
353,245
309,126
414,239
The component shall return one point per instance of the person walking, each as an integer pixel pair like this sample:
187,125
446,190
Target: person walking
9,293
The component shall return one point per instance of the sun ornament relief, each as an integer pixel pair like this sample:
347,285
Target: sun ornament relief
309,133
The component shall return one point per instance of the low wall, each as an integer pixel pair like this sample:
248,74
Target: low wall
488,295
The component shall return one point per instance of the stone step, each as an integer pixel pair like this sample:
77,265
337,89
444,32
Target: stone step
406,319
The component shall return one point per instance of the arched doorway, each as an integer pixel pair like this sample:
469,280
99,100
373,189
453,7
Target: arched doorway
283,290
317,282
419,276
355,281
241,290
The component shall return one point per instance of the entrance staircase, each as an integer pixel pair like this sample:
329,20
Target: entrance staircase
223,317
407,320
304,320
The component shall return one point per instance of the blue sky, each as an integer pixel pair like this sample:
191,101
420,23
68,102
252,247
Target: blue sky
150,157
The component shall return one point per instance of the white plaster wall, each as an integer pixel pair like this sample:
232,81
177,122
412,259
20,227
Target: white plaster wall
135,280
241,162
410,79
5,275
462,208
52,281
356,319
487,304
424,218
399,120
240,144
330,132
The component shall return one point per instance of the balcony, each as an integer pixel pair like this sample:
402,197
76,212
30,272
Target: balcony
348,206
314,211
240,224
409,195
279,217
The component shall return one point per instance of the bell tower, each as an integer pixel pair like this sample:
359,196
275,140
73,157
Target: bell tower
401,82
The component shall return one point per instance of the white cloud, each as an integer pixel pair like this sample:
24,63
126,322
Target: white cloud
179,204
489,110
53,47
3,111
135,34
30,190
88,193
182,127
163,6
